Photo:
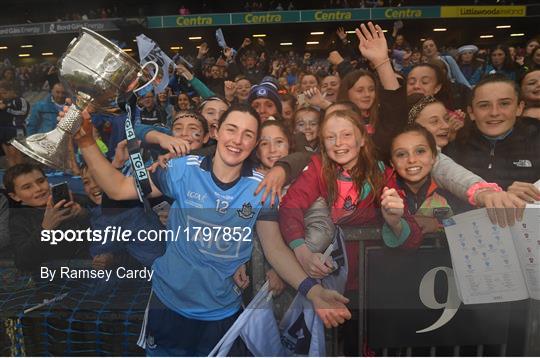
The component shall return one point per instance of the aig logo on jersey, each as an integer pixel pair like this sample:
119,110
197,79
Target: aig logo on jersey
246,212
523,163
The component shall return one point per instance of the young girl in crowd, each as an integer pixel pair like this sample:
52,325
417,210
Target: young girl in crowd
530,93
533,61
288,105
431,114
183,103
469,65
531,45
501,62
275,143
359,87
428,80
211,109
306,121
414,152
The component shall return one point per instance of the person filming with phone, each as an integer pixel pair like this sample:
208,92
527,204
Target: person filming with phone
37,208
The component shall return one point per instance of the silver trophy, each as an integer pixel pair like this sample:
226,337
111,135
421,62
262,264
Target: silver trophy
96,73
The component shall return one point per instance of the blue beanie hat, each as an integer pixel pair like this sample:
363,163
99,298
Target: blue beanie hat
266,89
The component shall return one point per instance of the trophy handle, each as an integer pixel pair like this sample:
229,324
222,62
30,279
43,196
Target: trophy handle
72,121
153,78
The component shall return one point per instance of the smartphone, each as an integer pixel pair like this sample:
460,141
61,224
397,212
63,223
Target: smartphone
59,192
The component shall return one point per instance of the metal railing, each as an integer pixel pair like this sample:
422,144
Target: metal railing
523,339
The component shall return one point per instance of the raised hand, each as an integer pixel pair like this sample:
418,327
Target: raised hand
392,207
335,58
373,44
340,32
182,70
315,98
203,50
230,90
228,53
246,42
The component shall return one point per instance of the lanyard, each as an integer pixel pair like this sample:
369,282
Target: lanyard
142,179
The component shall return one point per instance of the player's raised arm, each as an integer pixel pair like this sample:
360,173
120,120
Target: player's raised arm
114,183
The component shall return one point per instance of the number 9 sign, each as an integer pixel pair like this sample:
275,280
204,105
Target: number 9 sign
427,296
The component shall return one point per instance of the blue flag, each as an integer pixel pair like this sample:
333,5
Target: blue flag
150,51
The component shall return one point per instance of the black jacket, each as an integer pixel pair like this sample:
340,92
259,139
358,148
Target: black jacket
30,252
514,158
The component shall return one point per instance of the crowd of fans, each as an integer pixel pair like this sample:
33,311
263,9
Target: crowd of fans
381,133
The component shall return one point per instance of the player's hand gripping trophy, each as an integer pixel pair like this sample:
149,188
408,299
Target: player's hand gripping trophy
98,75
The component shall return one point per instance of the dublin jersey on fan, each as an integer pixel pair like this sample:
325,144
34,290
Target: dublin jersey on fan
215,222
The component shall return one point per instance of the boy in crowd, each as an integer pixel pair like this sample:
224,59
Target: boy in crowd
27,185
150,113
190,127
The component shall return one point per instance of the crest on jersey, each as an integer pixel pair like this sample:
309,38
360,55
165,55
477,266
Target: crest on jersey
348,204
246,212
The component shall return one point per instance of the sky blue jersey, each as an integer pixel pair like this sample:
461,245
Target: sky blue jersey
214,223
